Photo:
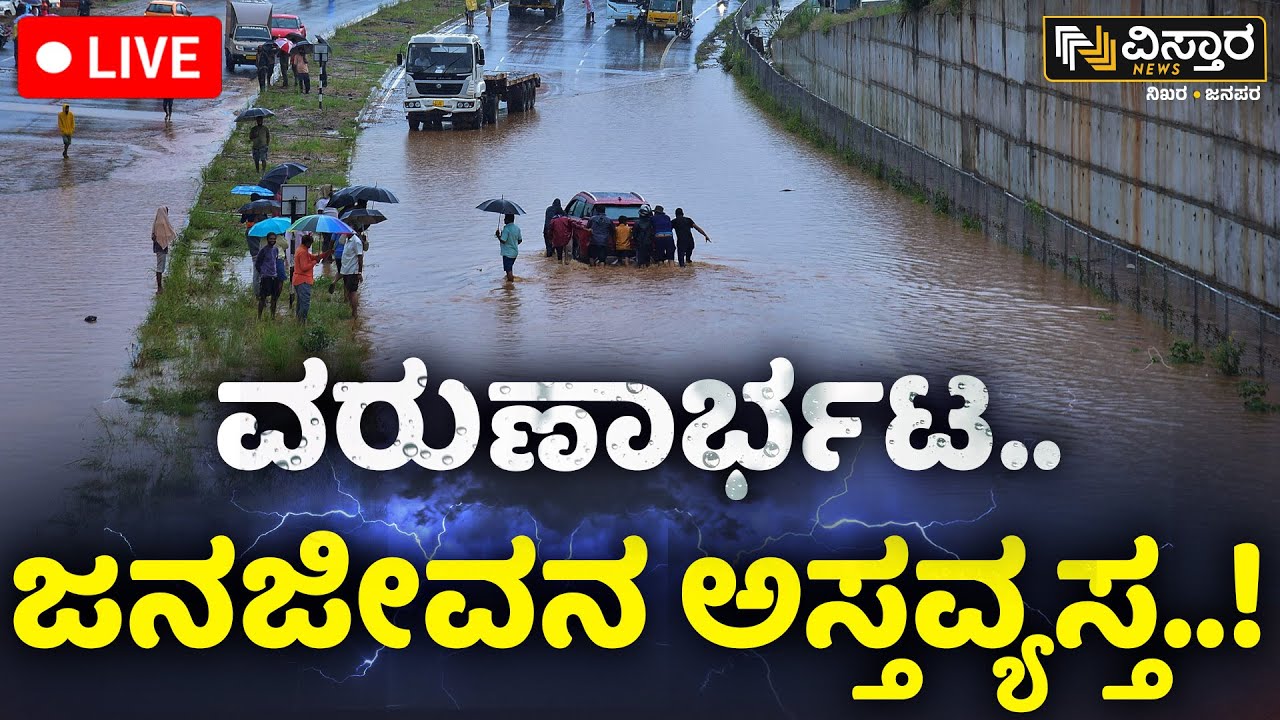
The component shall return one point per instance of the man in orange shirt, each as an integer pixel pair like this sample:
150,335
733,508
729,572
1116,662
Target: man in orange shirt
304,264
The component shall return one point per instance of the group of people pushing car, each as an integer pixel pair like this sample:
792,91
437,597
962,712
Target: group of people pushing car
650,238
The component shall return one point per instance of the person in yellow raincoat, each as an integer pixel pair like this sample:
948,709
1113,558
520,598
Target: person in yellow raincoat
471,13
66,126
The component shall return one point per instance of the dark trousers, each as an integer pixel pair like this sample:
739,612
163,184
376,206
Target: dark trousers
284,71
264,74
546,238
684,253
642,256
559,254
168,107
304,82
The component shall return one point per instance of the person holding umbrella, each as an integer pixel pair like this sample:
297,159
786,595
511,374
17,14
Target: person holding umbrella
304,264
283,47
266,63
162,236
509,239
260,139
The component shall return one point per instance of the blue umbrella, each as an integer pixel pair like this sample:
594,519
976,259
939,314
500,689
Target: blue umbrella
262,228
322,224
252,190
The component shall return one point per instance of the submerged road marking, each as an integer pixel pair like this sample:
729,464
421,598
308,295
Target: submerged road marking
667,49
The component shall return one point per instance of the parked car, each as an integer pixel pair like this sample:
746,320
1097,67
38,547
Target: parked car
615,204
166,8
283,25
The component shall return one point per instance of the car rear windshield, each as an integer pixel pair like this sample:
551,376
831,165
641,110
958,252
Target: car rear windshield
286,23
613,212
252,32
158,8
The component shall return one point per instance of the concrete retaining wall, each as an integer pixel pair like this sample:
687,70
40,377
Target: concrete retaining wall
1172,207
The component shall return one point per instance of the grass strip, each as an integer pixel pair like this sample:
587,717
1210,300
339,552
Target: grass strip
203,330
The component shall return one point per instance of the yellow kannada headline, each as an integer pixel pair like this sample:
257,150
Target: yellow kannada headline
768,584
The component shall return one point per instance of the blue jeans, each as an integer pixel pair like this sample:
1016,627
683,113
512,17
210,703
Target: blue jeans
304,300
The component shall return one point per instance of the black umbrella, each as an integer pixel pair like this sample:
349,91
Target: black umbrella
259,206
348,196
502,206
301,47
362,217
295,37
253,114
278,175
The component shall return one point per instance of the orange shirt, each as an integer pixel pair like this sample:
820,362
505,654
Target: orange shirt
622,237
304,264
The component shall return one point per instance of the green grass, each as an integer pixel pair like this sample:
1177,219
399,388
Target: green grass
806,17
203,330
708,44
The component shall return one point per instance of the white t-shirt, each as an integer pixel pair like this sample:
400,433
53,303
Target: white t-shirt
351,253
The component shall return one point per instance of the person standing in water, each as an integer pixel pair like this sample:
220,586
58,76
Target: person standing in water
162,236
67,127
553,210
664,244
509,239
268,270
684,227
260,139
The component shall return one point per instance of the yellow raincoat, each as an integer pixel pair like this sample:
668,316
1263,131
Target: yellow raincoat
66,121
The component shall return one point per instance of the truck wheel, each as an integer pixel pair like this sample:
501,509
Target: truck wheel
231,63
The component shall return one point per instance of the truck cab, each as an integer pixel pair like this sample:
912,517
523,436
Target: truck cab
665,14
248,25
444,79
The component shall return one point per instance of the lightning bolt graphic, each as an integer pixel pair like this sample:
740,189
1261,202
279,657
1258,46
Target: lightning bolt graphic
122,537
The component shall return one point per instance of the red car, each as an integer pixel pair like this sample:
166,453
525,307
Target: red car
615,204
282,25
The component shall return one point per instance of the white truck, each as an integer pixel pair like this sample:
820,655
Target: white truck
248,25
444,79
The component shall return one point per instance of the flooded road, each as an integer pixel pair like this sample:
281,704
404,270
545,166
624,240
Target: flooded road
810,261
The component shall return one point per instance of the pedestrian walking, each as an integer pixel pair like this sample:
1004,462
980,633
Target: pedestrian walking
471,13
267,263
684,227
353,272
304,264
509,240
591,11
664,243
85,7
260,139
302,73
561,235
266,63
162,236
168,110
488,12
66,126
601,234
554,210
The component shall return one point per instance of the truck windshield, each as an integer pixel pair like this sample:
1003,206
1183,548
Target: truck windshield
440,58
252,33
662,6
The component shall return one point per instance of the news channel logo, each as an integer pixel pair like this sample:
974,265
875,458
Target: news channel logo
1150,49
